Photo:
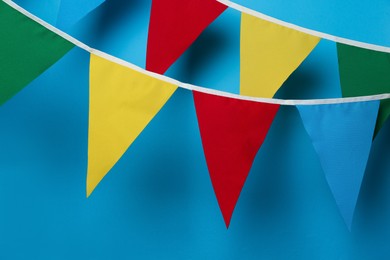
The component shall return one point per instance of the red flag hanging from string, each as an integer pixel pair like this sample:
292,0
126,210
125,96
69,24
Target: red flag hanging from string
232,132
174,25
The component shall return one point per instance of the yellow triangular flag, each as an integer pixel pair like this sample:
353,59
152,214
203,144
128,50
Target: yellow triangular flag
269,53
122,102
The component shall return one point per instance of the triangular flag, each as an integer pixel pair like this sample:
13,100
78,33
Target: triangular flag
365,72
122,102
232,131
342,137
269,53
174,26
71,11
27,49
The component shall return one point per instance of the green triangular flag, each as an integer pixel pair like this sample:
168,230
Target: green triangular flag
365,72
27,49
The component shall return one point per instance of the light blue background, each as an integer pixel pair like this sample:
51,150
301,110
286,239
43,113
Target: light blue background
158,202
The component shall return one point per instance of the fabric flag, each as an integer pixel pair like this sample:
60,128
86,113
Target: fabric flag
269,53
232,131
174,26
71,11
27,49
365,72
122,102
342,137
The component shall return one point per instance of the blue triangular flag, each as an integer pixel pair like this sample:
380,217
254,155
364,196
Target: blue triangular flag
71,11
47,10
342,136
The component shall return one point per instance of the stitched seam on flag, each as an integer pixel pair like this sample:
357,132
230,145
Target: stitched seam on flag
189,86
322,35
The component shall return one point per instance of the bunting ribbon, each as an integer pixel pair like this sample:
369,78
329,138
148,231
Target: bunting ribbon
125,98
39,8
321,35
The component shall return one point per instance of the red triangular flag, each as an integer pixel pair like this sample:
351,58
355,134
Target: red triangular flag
232,132
174,25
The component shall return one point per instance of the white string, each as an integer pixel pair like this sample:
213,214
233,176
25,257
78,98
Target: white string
189,86
305,30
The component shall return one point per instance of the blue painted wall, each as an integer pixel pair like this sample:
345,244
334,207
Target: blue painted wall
158,202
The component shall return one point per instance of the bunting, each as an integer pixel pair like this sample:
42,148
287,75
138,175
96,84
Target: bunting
174,25
232,131
121,104
27,49
269,53
365,72
124,99
342,137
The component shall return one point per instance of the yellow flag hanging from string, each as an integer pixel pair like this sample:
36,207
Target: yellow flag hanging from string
122,102
269,53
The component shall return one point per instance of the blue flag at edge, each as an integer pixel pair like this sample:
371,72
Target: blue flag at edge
342,136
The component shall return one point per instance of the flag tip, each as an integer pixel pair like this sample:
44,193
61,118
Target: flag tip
227,225
88,193
227,220
90,188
